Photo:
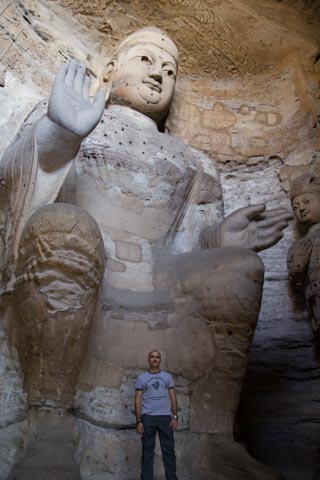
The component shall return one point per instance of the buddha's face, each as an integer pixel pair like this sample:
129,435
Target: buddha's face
306,207
144,78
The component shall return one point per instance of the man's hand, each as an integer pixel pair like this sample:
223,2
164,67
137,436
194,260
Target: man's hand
140,428
173,423
69,104
174,408
253,227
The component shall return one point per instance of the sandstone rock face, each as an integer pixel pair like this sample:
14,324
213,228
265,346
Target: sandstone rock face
248,96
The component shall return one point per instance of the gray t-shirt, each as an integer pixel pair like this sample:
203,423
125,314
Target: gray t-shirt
155,392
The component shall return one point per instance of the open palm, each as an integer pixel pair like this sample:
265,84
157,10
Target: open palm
254,227
70,105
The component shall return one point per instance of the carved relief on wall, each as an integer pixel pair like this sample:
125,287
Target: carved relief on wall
238,124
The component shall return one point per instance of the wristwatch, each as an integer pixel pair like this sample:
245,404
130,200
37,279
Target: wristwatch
175,417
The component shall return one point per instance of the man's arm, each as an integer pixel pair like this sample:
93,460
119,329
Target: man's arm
137,409
174,408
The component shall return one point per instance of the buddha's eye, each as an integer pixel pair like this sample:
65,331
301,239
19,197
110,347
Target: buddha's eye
146,59
169,72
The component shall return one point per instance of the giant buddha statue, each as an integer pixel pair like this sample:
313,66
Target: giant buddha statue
100,201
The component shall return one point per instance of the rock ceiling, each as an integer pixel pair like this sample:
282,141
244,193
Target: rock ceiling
217,39
249,75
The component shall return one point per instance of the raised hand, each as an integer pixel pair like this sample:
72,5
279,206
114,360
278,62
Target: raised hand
254,227
299,255
70,105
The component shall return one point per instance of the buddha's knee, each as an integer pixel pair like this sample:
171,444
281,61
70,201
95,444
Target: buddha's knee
226,282
61,252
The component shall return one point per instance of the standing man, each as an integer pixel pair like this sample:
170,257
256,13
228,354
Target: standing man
156,410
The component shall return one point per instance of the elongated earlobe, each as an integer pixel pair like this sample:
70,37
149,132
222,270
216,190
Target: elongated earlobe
105,80
107,72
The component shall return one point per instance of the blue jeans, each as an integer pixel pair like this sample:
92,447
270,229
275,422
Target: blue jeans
161,424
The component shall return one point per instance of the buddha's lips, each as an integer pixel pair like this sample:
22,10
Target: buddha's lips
152,84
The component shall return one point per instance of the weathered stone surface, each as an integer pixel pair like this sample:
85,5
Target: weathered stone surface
13,398
9,448
252,103
46,437
102,456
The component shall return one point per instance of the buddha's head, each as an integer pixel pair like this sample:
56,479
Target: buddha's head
142,73
305,198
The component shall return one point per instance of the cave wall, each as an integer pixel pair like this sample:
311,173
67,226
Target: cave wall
248,95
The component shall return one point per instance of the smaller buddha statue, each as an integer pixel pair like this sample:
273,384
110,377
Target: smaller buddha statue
304,254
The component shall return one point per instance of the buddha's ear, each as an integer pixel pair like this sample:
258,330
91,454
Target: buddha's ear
105,78
106,74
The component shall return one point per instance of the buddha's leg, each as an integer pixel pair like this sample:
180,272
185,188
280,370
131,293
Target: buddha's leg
59,270
223,288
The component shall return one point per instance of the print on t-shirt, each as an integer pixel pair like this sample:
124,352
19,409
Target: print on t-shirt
155,392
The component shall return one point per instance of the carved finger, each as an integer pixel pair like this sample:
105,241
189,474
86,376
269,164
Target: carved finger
304,248
271,231
79,77
71,73
86,87
268,221
61,75
100,101
252,211
281,212
269,241
305,242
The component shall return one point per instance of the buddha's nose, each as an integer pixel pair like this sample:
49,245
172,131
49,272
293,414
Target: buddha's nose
156,76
